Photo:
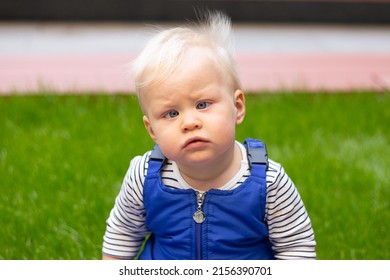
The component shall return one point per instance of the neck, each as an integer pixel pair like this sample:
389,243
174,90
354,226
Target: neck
214,175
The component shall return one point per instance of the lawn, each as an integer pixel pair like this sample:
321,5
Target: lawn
62,160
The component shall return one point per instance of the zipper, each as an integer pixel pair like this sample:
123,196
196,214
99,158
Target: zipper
199,218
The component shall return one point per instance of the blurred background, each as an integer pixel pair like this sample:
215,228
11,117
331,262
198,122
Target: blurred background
83,45
310,11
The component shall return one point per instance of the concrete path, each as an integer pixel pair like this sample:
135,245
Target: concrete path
76,57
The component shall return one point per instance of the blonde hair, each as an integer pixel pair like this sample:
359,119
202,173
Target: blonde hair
164,51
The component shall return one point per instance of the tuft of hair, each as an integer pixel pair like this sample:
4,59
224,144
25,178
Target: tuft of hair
164,51
217,25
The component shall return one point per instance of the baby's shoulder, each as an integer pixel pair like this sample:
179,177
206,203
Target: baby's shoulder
138,166
274,171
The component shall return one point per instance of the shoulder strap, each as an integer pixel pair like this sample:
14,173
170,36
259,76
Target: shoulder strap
156,160
257,155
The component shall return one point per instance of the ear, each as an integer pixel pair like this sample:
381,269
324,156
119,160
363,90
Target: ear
149,128
239,102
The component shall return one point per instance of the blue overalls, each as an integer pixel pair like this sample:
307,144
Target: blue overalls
217,224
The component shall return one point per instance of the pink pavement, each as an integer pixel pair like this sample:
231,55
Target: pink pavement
315,71
83,73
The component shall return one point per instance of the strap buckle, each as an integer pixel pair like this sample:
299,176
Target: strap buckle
257,152
157,154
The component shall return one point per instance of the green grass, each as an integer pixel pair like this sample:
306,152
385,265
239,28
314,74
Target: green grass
62,160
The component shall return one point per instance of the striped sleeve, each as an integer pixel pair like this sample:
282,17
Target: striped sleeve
290,229
126,229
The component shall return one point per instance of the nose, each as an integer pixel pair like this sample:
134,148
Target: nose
190,121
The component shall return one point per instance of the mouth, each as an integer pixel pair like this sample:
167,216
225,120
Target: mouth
194,142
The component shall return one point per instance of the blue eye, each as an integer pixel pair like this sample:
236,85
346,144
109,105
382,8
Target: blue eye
202,105
171,114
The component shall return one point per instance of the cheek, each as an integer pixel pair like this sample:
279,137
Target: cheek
164,134
226,115
223,125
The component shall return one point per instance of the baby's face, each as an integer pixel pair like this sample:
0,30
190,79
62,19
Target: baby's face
193,114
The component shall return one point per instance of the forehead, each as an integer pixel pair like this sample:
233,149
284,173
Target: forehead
197,64
197,70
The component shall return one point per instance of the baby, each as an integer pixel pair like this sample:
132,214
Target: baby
200,194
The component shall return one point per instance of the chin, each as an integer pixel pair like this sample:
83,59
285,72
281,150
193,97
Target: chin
199,160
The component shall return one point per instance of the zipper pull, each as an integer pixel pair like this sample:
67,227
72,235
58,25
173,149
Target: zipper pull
199,216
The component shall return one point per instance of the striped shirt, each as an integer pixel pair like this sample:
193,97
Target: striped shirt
289,225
